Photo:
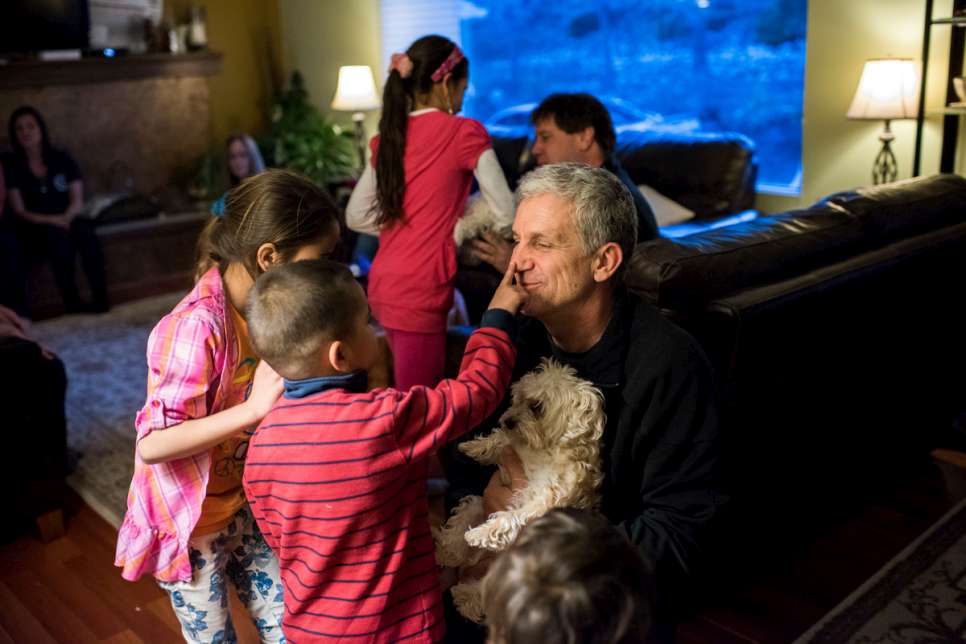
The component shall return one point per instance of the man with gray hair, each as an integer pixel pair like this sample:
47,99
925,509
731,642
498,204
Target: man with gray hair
574,232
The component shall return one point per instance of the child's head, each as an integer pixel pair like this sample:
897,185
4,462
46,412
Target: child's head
433,71
274,217
311,318
569,577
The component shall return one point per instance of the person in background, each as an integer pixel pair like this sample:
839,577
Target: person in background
243,160
33,384
46,195
412,195
573,128
12,287
569,577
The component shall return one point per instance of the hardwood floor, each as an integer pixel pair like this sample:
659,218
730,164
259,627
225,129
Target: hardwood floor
69,591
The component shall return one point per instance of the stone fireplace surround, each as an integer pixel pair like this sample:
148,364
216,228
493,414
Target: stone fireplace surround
134,124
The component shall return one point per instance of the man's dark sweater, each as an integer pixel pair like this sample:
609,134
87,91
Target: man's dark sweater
662,482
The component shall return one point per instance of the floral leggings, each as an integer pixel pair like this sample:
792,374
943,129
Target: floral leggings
237,553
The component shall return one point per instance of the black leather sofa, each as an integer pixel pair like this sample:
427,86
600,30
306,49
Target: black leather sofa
837,333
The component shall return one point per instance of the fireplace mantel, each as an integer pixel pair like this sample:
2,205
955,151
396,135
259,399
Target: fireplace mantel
104,70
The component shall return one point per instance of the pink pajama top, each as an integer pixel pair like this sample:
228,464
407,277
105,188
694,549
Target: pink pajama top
191,358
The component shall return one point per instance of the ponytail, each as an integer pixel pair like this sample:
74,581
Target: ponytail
393,124
426,55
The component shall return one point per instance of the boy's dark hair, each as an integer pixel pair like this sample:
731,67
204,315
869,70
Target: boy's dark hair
576,112
570,577
294,308
280,207
427,54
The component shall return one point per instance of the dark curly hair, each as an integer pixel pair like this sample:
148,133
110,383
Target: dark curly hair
576,112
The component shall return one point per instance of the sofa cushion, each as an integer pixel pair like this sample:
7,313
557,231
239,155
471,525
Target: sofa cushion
711,174
905,208
687,272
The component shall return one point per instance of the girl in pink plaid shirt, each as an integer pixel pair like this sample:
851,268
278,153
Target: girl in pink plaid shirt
188,522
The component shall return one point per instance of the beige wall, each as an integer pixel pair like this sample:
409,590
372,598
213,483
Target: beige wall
837,153
248,34
321,35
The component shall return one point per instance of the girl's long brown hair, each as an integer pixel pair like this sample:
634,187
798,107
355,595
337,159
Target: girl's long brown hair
279,207
427,54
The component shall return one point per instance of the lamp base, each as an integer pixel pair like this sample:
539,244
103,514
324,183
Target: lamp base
357,119
885,169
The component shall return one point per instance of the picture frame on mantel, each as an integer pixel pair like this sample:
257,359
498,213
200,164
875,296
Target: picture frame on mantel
119,24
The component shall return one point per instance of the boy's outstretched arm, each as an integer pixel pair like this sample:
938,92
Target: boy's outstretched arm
427,418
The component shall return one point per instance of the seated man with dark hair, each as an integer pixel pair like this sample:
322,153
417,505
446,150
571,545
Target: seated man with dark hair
572,127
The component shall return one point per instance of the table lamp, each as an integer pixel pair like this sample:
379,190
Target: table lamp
356,93
887,91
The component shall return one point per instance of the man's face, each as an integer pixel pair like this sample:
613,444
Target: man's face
553,145
553,266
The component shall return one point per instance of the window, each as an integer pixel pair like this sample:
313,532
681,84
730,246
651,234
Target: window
673,66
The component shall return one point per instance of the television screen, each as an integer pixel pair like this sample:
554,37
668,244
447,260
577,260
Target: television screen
40,25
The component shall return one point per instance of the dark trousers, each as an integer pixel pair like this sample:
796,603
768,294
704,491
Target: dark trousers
62,247
32,390
13,287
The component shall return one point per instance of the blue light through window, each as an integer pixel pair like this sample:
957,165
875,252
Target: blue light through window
659,65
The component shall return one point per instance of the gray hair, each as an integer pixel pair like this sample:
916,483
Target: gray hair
602,207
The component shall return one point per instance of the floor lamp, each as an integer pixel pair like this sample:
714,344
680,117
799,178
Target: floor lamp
886,92
356,93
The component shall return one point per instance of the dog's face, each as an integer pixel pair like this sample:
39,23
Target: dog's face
551,407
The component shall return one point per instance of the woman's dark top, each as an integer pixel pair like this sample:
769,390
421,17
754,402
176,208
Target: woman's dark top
48,195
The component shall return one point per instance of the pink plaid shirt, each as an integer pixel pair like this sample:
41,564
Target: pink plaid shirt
191,355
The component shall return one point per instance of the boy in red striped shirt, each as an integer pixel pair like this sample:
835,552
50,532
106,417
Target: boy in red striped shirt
336,476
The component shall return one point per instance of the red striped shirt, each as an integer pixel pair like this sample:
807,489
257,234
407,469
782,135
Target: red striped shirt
337,483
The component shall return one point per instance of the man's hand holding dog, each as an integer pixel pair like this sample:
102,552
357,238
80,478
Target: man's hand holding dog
498,493
493,249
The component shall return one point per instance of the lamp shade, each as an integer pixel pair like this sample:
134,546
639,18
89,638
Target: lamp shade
887,90
356,90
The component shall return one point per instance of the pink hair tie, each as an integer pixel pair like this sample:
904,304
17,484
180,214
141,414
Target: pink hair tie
402,64
451,61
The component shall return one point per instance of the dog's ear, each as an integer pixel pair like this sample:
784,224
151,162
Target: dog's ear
585,419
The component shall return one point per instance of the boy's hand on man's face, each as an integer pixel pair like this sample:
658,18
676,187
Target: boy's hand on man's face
509,296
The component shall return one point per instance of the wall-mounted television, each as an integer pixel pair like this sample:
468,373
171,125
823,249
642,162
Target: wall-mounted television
40,25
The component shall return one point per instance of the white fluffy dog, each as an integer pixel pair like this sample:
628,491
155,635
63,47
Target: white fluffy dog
555,424
477,217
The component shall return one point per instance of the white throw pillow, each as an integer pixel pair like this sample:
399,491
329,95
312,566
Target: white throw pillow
666,211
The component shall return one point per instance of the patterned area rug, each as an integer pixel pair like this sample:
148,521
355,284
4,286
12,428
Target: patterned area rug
106,382
918,597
